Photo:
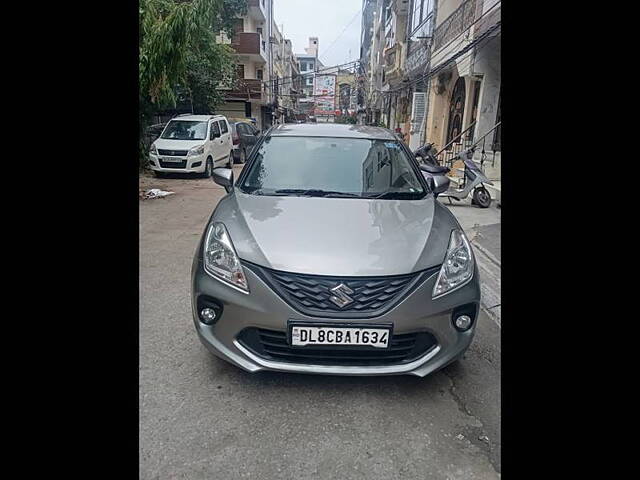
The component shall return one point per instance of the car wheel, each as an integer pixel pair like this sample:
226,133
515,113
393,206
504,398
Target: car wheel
243,156
208,169
482,197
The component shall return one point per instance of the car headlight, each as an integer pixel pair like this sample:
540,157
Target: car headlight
153,150
458,265
220,258
196,151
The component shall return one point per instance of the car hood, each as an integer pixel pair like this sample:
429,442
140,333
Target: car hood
167,144
337,236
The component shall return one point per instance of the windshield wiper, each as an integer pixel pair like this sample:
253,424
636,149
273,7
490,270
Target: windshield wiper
399,195
314,193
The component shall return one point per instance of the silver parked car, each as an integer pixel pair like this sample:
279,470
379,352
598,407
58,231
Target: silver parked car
331,254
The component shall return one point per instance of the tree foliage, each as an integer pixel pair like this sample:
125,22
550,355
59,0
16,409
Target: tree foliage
179,55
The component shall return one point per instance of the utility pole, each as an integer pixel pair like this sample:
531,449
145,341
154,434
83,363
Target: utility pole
284,74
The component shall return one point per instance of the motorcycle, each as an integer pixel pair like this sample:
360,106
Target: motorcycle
432,171
473,180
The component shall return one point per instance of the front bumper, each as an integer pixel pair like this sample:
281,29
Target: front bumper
263,308
191,164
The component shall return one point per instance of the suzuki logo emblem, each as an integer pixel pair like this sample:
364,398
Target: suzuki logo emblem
341,295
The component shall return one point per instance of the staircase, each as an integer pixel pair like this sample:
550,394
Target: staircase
456,176
491,165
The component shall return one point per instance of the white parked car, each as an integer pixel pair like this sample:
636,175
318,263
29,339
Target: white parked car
192,144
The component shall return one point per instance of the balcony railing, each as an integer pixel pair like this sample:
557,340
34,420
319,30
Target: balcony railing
454,24
390,55
490,17
246,89
248,43
392,58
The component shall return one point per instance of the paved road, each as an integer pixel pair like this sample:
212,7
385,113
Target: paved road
201,418
483,227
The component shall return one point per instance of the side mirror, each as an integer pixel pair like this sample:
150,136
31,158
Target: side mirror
438,184
224,177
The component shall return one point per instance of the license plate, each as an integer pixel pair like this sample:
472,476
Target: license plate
172,160
303,335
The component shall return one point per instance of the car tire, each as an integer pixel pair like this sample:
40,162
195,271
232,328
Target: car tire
208,169
243,156
230,161
482,197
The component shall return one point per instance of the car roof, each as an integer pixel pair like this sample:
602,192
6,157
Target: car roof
196,118
332,130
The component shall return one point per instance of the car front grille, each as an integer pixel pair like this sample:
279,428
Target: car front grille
180,164
173,153
273,345
311,294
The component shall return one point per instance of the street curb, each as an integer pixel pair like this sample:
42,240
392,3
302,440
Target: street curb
486,263
492,315
486,253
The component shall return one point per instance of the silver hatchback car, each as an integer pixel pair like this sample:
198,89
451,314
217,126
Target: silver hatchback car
331,255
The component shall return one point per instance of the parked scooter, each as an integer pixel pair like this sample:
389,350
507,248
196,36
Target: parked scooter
474,178
433,172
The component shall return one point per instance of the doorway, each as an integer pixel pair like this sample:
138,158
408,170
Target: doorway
456,111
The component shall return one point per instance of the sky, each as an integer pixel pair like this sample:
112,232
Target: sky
325,19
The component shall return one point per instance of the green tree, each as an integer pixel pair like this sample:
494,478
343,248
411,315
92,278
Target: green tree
178,53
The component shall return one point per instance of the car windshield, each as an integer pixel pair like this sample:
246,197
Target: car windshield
185,130
332,167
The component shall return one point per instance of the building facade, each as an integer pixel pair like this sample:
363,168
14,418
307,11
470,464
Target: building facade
430,69
464,98
308,65
286,82
250,96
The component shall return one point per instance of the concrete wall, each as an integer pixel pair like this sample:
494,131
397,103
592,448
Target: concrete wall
251,25
487,64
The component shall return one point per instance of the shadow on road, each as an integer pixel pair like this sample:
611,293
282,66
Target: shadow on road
223,372
180,176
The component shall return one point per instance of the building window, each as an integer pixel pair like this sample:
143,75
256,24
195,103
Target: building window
259,74
240,71
422,12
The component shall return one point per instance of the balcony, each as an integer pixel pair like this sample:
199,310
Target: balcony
456,23
256,10
491,15
251,45
392,57
247,89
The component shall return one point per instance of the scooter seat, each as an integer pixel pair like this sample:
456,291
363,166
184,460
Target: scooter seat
435,170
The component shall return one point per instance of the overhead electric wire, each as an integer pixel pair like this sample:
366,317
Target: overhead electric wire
426,75
453,58
307,74
342,33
